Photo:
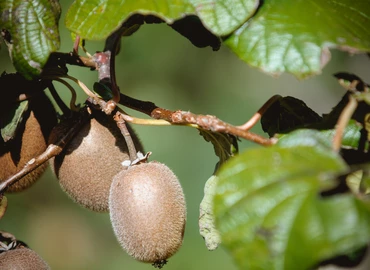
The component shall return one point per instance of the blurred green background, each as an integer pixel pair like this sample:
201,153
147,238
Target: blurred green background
159,65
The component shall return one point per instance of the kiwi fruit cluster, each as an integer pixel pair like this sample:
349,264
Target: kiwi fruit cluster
145,200
87,165
148,212
30,140
22,258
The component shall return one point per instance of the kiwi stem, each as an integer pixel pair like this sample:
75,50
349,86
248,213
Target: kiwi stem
71,89
76,45
82,86
257,116
121,123
66,111
51,151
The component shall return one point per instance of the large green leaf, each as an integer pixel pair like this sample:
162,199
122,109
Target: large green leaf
294,36
33,28
96,19
223,16
310,137
270,213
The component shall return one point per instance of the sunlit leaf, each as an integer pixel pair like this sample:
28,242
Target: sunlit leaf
34,34
96,19
270,214
295,36
222,17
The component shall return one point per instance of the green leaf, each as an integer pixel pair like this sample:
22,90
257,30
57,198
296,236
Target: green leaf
96,19
3,205
223,17
225,145
310,137
270,213
295,36
10,120
33,28
351,136
306,137
207,227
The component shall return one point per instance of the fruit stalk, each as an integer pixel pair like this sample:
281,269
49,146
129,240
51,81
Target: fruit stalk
126,134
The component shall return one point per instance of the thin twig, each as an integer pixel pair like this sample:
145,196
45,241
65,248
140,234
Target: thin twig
72,103
76,44
106,106
257,116
82,85
207,122
149,122
343,120
212,123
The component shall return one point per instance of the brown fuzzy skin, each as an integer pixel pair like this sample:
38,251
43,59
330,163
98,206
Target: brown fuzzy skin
29,142
87,165
22,259
148,211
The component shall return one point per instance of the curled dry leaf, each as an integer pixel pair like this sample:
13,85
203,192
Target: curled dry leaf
207,227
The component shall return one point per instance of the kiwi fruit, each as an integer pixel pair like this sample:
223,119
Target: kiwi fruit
22,259
148,212
30,140
87,165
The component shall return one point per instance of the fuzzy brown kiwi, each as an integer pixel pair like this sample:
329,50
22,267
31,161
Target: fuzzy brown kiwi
87,165
148,212
22,258
30,141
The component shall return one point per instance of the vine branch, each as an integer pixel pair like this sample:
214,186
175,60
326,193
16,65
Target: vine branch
206,122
